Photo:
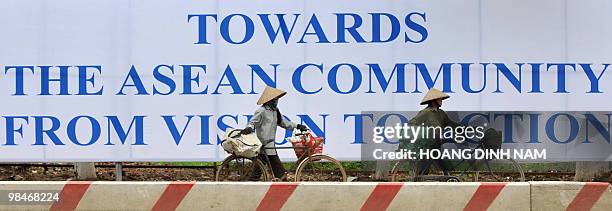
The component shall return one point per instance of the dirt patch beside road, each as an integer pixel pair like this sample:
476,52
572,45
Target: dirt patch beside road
37,173
8,173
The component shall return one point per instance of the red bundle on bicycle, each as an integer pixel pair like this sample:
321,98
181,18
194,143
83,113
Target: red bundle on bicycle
303,141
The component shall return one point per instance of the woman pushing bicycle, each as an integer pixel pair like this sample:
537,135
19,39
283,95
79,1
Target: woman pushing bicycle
432,116
264,123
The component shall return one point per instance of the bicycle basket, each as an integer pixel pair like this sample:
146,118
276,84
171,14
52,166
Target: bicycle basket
300,144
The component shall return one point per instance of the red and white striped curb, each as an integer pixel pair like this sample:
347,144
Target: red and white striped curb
571,196
319,196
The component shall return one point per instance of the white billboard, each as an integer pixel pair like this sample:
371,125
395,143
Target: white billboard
159,80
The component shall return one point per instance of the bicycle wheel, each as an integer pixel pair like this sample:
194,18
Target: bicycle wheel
505,170
235,168
403,171
320,167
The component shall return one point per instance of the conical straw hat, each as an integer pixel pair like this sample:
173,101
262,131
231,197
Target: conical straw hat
433,94
269,94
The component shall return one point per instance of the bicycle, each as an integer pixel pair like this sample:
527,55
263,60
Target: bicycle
311,166
493,170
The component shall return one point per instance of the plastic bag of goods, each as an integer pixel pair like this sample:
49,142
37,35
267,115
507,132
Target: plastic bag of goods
239,144
303,142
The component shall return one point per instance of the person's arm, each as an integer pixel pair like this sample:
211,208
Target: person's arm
255,121
450,122
285,123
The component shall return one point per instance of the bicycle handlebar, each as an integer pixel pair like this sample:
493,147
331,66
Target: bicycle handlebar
302,133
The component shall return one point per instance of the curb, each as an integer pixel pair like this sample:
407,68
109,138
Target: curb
571,196
317,196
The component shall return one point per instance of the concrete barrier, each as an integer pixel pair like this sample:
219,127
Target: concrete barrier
571,196
316,196
463,196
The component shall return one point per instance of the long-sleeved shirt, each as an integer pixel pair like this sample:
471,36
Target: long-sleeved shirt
428,139
264,121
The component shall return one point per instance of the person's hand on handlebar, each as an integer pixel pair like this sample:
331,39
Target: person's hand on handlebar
301,127
247,130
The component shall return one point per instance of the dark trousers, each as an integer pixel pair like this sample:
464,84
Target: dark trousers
275,163
425,165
